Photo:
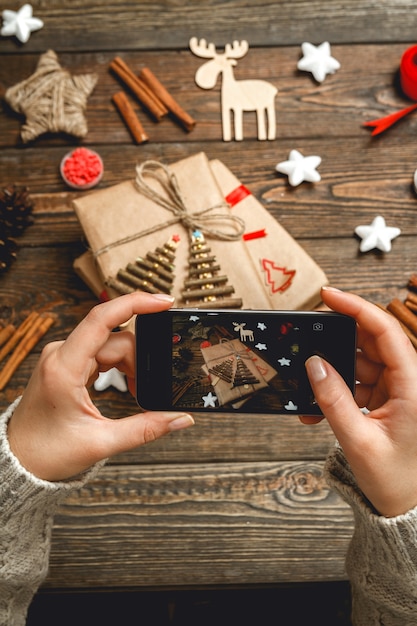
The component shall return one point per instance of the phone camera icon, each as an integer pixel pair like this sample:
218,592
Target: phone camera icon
318,326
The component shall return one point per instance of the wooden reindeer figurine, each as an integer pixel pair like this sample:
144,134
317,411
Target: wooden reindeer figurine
237,95
245,333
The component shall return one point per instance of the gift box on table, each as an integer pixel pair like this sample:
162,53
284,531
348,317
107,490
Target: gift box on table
265,266
235,371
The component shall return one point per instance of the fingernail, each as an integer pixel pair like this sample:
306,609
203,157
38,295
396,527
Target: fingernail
180,421
163,296
329,288
316,369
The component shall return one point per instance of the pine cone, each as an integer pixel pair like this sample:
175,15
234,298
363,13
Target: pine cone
15,215
15,210
8,248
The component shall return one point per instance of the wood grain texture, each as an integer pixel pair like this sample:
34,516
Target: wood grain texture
237,500
337,107
95,25
197,525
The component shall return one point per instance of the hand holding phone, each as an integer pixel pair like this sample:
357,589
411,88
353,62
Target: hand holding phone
237,360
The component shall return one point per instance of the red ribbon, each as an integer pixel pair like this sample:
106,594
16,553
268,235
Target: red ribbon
408,78
255,234
237,195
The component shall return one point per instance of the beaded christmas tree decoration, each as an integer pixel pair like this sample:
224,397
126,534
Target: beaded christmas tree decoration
204,287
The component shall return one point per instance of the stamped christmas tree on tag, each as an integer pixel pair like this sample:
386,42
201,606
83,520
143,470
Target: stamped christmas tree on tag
229,251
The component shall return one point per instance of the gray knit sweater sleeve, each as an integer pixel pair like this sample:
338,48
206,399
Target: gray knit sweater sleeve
382,558
27,506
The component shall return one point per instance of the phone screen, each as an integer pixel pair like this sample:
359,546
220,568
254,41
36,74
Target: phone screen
238,361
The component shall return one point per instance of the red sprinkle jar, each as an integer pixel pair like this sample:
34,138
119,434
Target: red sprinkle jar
82,168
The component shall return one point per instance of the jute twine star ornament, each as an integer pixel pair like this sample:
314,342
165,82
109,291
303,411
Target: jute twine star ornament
51,99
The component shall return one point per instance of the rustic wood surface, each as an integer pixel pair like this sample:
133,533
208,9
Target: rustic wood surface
235,500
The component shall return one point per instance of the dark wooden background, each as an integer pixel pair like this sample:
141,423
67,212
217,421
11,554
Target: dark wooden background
235,501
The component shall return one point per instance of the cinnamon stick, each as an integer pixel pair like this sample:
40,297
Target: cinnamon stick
408,332
129,117
139,88
403,314
412,282
33,334
6,333
411,305
166,98
412,297
17,336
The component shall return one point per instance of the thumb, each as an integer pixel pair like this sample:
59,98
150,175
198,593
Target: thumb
334,399
137,430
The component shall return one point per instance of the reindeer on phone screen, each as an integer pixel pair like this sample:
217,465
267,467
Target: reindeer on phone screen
237,95
245,333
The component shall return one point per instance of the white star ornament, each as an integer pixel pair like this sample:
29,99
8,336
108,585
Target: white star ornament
20,23
112,378
209,400
300,168
376,235
291,406
318,60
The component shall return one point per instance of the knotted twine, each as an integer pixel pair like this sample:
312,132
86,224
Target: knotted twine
173,201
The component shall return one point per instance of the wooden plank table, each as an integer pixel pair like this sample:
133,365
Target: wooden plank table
235,501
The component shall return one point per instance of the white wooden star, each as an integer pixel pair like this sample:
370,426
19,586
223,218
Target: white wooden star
20,23
299,168
318,60
283,361
261,326
261,346
291,406
112,378
376,235
209,400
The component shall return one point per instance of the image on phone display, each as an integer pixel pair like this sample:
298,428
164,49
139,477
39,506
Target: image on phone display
238,361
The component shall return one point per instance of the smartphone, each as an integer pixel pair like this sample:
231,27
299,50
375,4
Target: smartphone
242,361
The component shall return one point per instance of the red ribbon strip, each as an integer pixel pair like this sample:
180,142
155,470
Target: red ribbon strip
385,122
256,234
237,195
408,78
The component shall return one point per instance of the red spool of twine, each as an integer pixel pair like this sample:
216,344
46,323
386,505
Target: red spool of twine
408,72
408,79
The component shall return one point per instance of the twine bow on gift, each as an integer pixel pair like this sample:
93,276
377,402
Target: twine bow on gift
173,201
230,351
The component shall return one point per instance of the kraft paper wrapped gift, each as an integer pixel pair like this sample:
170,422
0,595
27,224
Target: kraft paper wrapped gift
268,272
291,279
236,372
